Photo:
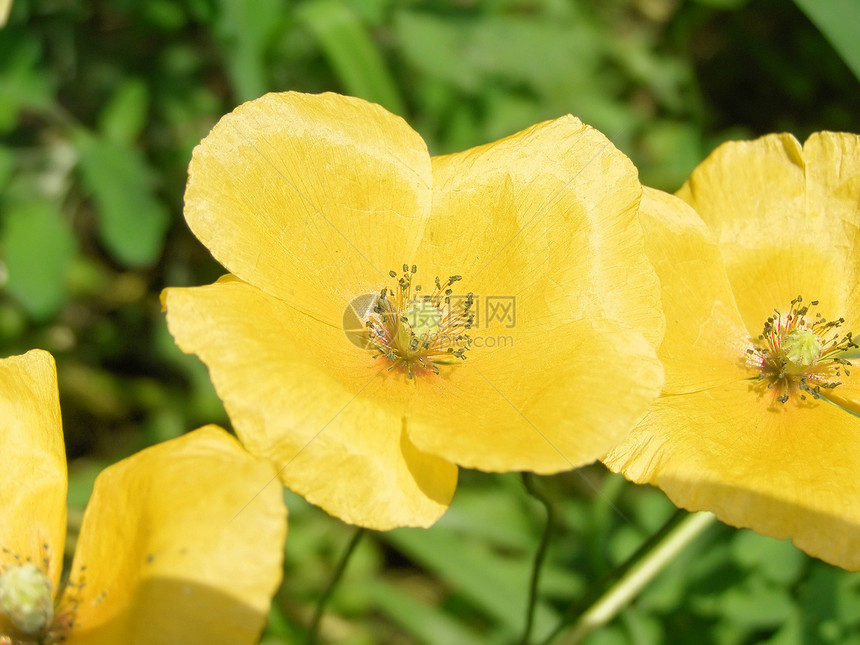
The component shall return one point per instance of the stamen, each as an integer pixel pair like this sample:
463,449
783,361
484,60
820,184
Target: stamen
798,355
414,332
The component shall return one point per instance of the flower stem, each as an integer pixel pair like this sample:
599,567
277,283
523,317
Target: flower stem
530,482
638,571
313,630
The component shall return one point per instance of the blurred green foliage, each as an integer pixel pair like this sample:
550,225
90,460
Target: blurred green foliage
100,106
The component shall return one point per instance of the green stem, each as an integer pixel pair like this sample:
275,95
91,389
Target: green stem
642,567
530,482
313,630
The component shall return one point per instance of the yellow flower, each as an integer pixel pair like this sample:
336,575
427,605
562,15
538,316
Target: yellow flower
758,421
161,556
494,301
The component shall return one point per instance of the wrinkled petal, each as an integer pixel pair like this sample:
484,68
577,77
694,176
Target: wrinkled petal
788,471
705,342
322,410
538,401
551,210
33,482
718,439
546,218
180,543
786,219
543,222
847,394
312,198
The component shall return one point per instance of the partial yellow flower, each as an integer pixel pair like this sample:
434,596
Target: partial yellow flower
499,308
758,421
5,8
180,543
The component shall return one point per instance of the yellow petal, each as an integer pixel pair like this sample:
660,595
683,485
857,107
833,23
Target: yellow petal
832,185
322,410
705,342
847,394
180,543
546,217
782,470
312,198
551,210
542,401
786,220
33,481
545,222
718,439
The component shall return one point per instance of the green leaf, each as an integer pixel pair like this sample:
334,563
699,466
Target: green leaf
437,48
838,21
776,560
131,221
39,248
425,622
756,604
7,165
124,116
472,53
245,29
351,52
24,85
497,586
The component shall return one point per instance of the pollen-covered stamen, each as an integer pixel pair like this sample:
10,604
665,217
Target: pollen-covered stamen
66,609
800,354
416,330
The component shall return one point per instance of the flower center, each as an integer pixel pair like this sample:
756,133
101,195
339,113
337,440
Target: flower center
420,331
25,597
801,354
802,347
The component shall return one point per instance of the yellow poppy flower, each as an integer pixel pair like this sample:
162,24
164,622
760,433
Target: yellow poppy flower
494,301
758,421
161,556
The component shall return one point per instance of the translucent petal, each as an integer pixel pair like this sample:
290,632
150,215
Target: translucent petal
180,543
312,198
542,401
322,410
33,482
705,342
543,228
784,470
786,219
551,210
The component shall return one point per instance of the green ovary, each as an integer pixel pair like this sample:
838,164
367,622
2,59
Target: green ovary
802,347
25,597
423,320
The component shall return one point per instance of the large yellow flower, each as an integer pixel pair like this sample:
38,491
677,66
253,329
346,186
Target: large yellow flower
161,557
758,420
494,301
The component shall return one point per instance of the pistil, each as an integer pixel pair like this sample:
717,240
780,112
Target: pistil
802,354
26,599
